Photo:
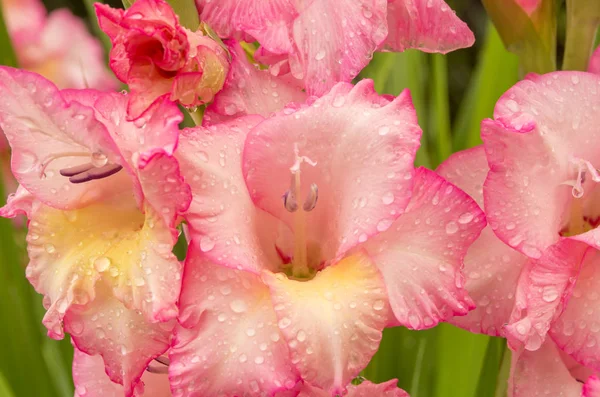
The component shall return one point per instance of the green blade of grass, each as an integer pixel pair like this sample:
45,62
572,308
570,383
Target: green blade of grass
488,377
496,71
460,358
439,131
7,54
5,389
394,72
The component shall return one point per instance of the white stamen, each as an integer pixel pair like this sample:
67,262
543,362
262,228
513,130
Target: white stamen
311,198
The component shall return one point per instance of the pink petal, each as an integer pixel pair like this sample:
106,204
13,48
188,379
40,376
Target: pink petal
420,254
368,389
541,372
223,221
576,330
334,40
364,147
529,5
67,54
227,343
332,323
426,25
39,124
543,126
249,90
91,380
123,337
594,66
591,388
268,21
24,19
543,290
492,268
19,203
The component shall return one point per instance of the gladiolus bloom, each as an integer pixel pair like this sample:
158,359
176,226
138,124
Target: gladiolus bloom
312,231
496,276
57,46
157,57
328,41
102,196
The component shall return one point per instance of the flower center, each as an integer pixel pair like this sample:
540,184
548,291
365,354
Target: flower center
98,168
578,221
300,268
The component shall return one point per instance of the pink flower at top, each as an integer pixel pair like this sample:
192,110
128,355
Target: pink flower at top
327,41
496,276
278,290
157,57
57,46
102,196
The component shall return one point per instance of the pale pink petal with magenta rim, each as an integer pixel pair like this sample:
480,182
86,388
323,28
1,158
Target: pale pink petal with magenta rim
228,342
332,323
268,21
426,25
541,373
544,129
123,337
223,221
492,268
249,90
591,388
369,389
334,40
19,203
40,125
543,291
91,380
577,330
364,147
421,254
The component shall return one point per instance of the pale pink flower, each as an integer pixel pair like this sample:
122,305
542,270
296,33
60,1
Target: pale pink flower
281,290
102,196
496,276
57,46
541,196
327,41
365,389
157,57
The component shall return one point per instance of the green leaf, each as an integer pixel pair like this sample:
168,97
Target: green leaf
439,130
488,378
496,71
460,359
394,72
128,3
7,54
532,37
583,17
187,12
5,389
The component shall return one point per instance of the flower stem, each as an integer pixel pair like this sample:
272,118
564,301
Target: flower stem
583,17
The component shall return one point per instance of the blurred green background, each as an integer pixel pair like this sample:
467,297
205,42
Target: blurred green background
452,94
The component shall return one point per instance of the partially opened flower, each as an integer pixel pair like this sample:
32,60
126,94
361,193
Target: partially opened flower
497,275
102,196
157,57
328,41
365,389
311,232
57,46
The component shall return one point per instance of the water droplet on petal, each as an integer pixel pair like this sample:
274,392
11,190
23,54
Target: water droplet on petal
102,264
387,198
206,244
238,306
451,227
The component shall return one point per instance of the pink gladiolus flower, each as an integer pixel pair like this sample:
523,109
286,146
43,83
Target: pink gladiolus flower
102,196
529,6
157,57
278,290
328,41
496,275
540,196
57,46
